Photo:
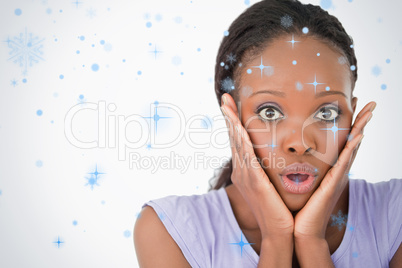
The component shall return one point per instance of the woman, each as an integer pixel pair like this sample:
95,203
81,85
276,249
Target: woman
284,78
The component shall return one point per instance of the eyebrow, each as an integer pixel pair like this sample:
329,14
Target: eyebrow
282,94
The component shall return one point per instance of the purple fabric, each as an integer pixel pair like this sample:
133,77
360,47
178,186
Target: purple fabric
206,230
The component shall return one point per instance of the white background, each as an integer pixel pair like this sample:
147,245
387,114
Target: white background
40,203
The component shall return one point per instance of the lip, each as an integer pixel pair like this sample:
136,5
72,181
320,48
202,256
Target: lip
296,187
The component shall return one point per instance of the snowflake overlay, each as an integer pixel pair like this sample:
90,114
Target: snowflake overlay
286,21
339,220
231,58
227,84
25,50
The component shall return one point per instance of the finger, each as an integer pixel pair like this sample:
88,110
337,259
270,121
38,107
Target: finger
358,127
229,101
238,141
242,142
360,124
351,161
238,126
231,113
229,125
369,107
234,134
246,153
248,158
353,157
249,175
344,162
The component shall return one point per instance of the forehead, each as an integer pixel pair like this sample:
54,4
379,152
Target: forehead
299,65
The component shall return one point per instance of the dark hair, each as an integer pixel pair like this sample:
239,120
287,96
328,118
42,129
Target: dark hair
255,29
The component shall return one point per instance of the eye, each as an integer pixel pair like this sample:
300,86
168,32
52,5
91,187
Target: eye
327,114
270,113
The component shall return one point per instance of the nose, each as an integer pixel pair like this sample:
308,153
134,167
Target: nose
298,150
297,142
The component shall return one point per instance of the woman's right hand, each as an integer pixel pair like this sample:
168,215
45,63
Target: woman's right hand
273,217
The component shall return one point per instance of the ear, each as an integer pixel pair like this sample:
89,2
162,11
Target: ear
354,103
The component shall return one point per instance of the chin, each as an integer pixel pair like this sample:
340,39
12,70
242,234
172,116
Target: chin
295,203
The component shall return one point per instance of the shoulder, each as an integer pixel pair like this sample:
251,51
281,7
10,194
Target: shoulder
382,202
377,190
150,237
179,223
190,209
379,199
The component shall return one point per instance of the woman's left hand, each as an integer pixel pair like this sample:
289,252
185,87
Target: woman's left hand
312,220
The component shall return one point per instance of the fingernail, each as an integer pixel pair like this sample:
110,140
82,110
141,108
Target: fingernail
369,118
372,108
225,101
223,110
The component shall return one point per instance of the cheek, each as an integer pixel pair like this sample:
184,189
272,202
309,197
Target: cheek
261,137
260,133
340,141
343,138
330,141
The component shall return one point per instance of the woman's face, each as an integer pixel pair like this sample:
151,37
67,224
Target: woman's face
295,102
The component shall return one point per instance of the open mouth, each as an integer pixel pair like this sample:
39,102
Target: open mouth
298,183
297,177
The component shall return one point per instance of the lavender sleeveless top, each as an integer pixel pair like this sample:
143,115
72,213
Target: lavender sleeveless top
206,230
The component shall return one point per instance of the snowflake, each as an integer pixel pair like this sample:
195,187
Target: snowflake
339,220
241,243
25,50
76,3
326,4
342,60
246,91
147,16
92,181
14,82
91,13
44,2
286,21
227,84
299,86
58,242
81,100
231,58
376,70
